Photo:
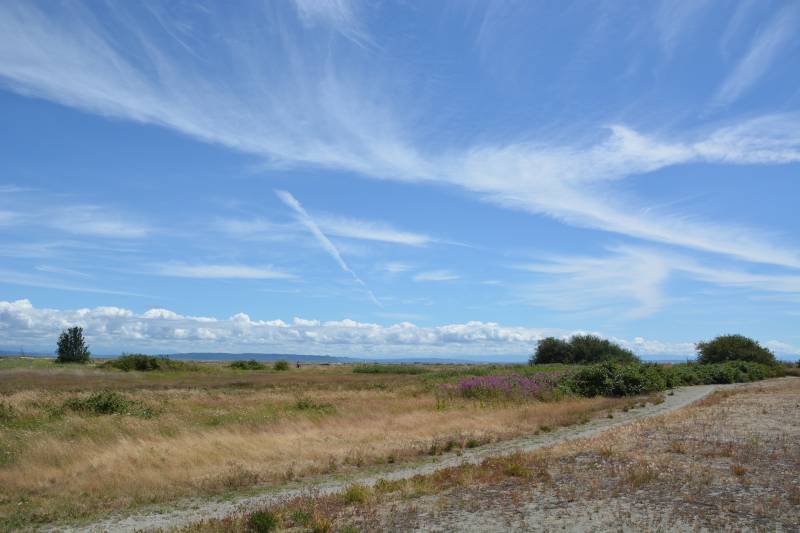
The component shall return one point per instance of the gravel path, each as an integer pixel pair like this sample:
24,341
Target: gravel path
190,511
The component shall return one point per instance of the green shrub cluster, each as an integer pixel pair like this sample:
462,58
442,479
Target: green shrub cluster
280,365
108,403
733,348
580,349
389,369
145,363
250,364
616,379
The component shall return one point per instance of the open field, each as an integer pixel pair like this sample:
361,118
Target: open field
76,441
727,463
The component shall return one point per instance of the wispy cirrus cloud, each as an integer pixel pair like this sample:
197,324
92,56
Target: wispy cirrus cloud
330,111
324,241
436,275
764,49
216,271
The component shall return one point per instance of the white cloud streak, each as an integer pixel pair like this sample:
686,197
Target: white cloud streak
764,50
436,275
220,271
324,241
297,109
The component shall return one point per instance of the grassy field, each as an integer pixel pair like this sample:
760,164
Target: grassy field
76,441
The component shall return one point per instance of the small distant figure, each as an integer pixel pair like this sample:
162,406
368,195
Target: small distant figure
298,364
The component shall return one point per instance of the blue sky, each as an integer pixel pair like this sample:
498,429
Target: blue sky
379,178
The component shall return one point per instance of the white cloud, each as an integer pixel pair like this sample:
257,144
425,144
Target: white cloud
764,49
369,230
305,108
163,330
396,267
633,278
180,270
436,275
782,348
326,244
340,15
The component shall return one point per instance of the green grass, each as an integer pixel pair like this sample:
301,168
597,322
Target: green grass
390,369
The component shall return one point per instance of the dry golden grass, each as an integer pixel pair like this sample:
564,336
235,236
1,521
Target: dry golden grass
215,432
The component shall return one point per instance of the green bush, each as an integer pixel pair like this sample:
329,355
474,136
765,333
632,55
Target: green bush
616,379
108,403
280,365
250,364
262,522
389,369
733,348
580,349
71,347
145,363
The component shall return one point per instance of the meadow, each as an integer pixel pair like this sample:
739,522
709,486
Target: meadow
78,440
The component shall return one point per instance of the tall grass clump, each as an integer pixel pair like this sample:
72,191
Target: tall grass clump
580,349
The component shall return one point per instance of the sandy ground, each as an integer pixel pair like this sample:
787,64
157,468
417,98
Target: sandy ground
192,511
728,463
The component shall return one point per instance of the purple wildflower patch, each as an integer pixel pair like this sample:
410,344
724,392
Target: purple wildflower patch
506,387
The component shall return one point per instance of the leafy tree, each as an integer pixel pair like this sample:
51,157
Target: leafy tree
580,349
551,350
733,348
71,346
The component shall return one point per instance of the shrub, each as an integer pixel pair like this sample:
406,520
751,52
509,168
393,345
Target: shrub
71,347
505,387
262,522
250,364
580,349
108,403
615,379
280,365
733,348
307,404
145,363
389,369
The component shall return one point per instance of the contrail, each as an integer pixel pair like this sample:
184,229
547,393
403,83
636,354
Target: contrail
287,198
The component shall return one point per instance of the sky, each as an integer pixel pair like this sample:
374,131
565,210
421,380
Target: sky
385,178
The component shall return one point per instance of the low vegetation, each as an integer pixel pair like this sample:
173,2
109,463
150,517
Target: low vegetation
146,363
280,365
250,364
389,369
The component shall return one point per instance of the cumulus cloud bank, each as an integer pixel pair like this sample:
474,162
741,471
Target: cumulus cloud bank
115,329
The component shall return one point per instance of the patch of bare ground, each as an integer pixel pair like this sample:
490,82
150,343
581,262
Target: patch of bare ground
727,463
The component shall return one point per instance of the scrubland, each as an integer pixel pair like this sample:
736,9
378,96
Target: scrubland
78,441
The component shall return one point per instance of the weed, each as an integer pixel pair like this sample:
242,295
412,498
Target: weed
262,522
677,446
301,517
307,404
280,365
354,494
